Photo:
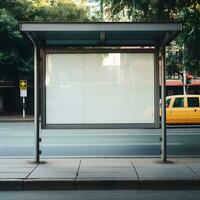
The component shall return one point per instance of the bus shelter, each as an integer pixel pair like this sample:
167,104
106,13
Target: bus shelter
99,75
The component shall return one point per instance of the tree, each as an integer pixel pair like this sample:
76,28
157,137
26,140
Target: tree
190,37
188,42
13,60
61,11
16,52
140,10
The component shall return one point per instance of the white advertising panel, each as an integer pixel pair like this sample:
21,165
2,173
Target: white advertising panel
94,88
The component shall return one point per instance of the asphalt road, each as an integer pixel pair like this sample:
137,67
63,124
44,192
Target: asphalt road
99,195
17,139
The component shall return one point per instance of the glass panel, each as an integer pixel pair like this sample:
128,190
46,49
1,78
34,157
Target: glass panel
193,102
168,102
100,88
179,103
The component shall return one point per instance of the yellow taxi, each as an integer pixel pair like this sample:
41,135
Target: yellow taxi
183,109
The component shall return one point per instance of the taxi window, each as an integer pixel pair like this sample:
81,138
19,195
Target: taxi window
168,102
179,102
193,102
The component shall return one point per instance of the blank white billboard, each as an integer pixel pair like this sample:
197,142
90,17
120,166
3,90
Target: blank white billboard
93,88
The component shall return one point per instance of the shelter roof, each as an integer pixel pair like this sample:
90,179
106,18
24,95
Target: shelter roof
101,34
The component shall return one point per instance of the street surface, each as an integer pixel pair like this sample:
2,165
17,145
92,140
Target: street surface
17,139
99,195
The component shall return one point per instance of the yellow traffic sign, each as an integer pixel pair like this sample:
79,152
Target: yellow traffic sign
23,84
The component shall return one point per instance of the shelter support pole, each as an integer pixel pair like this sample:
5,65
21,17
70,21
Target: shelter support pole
163,107
36,107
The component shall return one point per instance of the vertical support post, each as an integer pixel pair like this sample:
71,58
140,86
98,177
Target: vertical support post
101,9
163,107
184,72
23,107
36,107
184,82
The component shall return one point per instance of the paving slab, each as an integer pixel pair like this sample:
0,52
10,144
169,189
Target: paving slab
61,169
69,165
196,168
100,173
188,160
182,160
13,175
105,162
106,167
20,170
101,169
51,174
16,161
142,161
63,162
163,176
18,166
57,168
15,169
106,174
164,171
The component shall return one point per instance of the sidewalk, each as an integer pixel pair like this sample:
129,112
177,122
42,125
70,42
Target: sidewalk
99,173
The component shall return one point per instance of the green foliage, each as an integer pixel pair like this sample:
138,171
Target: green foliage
16,52
140,10
16,61
61,12
188,42
12,59
21,10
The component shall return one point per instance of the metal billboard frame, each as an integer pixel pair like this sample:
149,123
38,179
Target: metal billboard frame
46,35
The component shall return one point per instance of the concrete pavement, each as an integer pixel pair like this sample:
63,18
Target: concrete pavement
99,173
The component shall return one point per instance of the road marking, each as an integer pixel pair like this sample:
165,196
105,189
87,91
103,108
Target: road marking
92,135
117,144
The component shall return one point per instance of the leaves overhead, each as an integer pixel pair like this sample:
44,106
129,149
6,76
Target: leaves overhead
188,12
16,60
16,53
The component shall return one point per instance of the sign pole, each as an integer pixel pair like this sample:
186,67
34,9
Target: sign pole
24,107
23,94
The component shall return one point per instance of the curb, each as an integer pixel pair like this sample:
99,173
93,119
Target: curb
170,184
49,184
71,184
11,184
107,184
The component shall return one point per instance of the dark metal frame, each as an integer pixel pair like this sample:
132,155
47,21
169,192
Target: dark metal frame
44,125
